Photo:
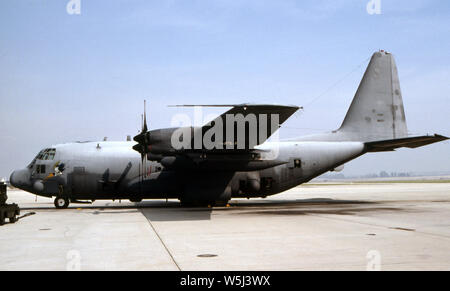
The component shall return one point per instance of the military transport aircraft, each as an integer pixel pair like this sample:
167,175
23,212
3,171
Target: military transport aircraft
178,163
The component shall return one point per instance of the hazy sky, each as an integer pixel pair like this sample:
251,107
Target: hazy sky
82,77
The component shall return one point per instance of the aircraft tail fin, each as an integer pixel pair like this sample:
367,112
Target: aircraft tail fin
377,112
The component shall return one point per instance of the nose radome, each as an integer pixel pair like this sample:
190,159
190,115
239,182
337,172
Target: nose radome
12,179
20,178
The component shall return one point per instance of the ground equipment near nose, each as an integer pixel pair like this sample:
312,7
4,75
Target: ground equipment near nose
10,211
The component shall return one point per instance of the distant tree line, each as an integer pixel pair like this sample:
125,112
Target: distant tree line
382,174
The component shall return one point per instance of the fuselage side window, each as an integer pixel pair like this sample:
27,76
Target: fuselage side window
40,169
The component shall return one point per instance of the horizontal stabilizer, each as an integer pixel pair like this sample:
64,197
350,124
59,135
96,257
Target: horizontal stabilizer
409,142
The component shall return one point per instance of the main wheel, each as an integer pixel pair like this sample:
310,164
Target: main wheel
2,219
61,203
13,219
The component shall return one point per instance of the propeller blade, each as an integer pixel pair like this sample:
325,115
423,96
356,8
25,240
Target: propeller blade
143,137
144,126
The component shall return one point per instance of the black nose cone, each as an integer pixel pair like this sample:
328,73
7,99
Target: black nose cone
12,179
20,178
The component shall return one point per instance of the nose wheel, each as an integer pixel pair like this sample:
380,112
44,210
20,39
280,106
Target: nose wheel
61,203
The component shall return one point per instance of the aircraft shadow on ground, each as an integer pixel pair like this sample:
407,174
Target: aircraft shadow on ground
308,206
173,211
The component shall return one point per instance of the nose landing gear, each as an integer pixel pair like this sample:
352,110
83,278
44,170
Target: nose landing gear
61,202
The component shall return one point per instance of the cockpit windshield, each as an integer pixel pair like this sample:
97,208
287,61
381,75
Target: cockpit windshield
45,155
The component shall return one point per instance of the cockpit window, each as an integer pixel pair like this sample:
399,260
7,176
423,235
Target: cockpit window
40,155
51,154
47,154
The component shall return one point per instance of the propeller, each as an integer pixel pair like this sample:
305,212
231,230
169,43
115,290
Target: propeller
143,137
142,147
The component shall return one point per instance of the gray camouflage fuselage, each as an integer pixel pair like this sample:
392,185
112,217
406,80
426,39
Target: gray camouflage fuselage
93,168
151,168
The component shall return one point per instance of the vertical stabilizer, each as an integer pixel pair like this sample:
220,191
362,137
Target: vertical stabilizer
377,112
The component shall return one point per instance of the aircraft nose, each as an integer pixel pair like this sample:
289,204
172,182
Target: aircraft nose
19,178
12,179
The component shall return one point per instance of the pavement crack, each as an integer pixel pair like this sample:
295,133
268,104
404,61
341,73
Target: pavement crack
162,242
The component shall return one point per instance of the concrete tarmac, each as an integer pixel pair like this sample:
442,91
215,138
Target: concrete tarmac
387,226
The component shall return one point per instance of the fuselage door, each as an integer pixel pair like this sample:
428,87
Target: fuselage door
79,180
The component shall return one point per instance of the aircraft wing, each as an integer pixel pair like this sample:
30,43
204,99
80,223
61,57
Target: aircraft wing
232,138
247,108
247,125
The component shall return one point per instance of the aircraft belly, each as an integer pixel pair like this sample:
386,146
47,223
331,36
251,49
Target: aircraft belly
163,184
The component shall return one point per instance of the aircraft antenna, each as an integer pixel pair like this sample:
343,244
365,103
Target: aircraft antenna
332,86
